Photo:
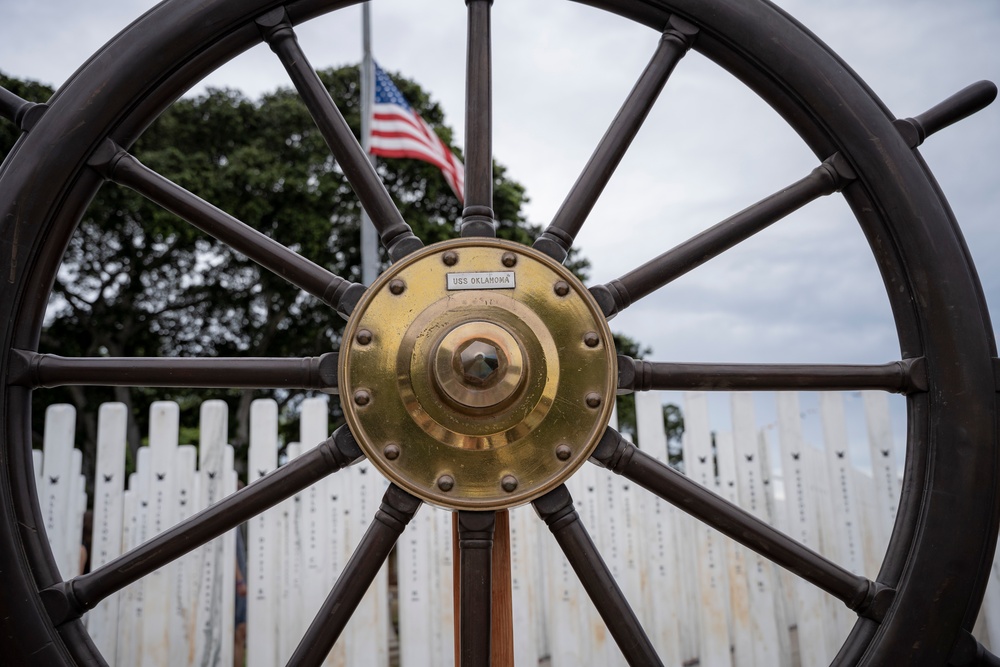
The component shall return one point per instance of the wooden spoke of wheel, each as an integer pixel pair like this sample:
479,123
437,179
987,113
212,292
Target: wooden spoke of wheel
68,600
35,370
899,377
477,217
396,235
120,167
556,509
620,293
557,238
398,507
869,599
832,175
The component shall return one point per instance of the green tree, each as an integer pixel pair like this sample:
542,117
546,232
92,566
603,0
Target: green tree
137,281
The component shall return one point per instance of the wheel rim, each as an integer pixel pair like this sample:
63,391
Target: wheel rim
894,198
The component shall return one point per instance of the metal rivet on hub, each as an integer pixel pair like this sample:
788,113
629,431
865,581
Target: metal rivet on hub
450,258
364,337
508,483
563,452
362,397
591,339
391,451
509,259
397,286
562,288
593,400
446,482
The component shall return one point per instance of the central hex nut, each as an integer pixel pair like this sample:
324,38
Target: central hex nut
478,365
480,362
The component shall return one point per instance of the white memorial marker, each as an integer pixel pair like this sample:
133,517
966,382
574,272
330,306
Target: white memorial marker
838,622
125,646
291,621
750,483
164,423
228,619
588,642
883,453
186,570
263,542
713,590
322,524
802,515
106,539
781,614
54,500
72,522
872,547
741,631
442,574
523,594
211,622
416,597
133,614
366,636
662,574
848,548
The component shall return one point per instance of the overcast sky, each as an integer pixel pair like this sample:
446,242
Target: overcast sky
805,290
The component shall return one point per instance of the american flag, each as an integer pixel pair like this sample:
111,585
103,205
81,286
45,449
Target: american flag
398,131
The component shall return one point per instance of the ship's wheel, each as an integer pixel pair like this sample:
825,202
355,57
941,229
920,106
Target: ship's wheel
479,374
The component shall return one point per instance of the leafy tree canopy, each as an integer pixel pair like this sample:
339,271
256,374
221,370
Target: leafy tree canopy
137,281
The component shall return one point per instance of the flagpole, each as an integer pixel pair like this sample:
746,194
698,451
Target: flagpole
369,238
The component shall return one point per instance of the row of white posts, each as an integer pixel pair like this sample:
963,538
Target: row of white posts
699,595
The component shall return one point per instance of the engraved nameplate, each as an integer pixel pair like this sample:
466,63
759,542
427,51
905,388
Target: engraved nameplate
481,280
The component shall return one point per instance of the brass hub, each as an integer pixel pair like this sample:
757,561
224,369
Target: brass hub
475,383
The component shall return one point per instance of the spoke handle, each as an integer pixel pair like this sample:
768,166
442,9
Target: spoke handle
961,105
19,111
969,651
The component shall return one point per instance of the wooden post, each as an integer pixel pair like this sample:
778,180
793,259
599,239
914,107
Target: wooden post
502,620
502,633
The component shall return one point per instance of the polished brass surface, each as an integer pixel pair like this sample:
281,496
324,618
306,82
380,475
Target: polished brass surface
464,368
478,398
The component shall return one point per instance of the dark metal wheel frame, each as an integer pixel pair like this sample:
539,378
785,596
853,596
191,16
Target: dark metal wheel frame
927,594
